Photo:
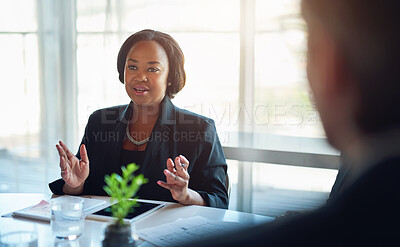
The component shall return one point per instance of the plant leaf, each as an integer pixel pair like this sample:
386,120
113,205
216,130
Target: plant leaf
122,189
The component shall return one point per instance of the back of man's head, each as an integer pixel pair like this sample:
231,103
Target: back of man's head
367,32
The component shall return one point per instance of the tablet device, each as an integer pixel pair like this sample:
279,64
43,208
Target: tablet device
141,209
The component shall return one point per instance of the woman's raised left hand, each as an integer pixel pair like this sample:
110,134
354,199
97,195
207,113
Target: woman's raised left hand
178,181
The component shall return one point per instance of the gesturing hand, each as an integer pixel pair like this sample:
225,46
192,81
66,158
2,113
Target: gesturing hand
177,178
73,171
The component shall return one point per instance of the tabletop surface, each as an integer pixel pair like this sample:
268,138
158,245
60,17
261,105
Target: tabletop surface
93,232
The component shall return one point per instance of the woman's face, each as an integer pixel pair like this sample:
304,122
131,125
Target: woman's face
146,73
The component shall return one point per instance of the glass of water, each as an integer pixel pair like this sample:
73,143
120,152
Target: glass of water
67,217
18,233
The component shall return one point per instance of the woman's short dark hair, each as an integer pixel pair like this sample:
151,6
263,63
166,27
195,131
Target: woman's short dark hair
176,60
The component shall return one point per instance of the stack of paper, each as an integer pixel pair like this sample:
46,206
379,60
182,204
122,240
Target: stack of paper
186,230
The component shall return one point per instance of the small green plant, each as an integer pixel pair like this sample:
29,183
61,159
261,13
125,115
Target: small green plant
122,190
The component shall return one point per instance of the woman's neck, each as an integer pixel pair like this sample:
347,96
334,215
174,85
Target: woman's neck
144,115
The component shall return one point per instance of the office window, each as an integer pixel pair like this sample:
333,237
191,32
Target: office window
282,92
279,188
19,97
285,120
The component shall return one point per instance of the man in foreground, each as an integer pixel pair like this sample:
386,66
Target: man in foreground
353,71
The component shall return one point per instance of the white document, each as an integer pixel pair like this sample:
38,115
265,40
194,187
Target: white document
186,230
42,211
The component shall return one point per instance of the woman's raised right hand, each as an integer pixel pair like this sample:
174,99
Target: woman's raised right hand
74,172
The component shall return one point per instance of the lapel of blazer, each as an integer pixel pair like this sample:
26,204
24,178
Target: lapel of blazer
160,132
114,148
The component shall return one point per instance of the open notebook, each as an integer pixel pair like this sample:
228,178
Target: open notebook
42,211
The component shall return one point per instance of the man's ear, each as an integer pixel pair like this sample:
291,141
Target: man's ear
337,78
340,73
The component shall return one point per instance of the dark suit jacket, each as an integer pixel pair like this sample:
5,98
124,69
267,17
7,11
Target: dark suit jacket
364,214
340,181
176,132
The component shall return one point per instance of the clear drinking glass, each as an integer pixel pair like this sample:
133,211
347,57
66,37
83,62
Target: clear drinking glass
67,217
20,239
19,234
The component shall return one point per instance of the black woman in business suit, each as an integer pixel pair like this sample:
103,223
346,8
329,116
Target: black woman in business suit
177,150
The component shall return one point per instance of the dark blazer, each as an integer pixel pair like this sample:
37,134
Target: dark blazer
341,180
364,214
175,132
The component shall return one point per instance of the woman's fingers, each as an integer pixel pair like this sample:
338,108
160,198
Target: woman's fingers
63,162
66,150
176,191
184,162
83,153
165,185
170,165
175,179
181,165
65,173
73,171
61,151
169,176
64,169
178,164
